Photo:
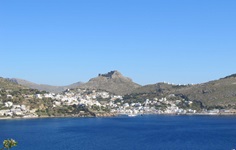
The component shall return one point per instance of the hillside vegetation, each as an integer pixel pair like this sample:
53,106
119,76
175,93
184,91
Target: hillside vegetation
214,94
220,92
6,84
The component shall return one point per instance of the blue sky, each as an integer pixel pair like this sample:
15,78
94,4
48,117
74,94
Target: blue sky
60,42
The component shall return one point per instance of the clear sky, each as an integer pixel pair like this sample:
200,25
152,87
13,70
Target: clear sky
60,42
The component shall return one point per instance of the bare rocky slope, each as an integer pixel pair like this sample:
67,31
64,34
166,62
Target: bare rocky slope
113,82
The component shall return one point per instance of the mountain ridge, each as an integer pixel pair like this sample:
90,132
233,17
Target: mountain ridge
43,87
217,92
112,81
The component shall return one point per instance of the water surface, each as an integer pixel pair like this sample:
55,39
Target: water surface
123,133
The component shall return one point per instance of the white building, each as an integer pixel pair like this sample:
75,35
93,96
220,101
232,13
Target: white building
8,104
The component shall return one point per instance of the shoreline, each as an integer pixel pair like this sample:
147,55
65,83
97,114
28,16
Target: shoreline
115,115
46,117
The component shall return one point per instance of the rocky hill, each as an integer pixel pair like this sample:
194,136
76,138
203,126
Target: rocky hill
113,82
220,92
44,87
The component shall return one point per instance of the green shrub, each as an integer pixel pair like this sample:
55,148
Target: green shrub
8,144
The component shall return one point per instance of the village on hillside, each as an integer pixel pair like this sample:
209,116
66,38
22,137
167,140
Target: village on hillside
96,102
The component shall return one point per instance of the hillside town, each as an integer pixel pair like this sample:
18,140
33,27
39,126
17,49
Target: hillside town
98,101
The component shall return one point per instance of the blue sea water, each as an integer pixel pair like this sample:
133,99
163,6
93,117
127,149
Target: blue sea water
154,132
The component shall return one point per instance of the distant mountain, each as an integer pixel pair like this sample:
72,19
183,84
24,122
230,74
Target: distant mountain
220,92
8,85
214,93
44,87
113,82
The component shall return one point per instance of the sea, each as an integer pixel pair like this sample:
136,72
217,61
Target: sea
150,132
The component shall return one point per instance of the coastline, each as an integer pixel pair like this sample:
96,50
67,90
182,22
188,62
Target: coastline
115,115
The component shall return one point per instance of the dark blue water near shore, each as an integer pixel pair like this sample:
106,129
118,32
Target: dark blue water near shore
123,133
